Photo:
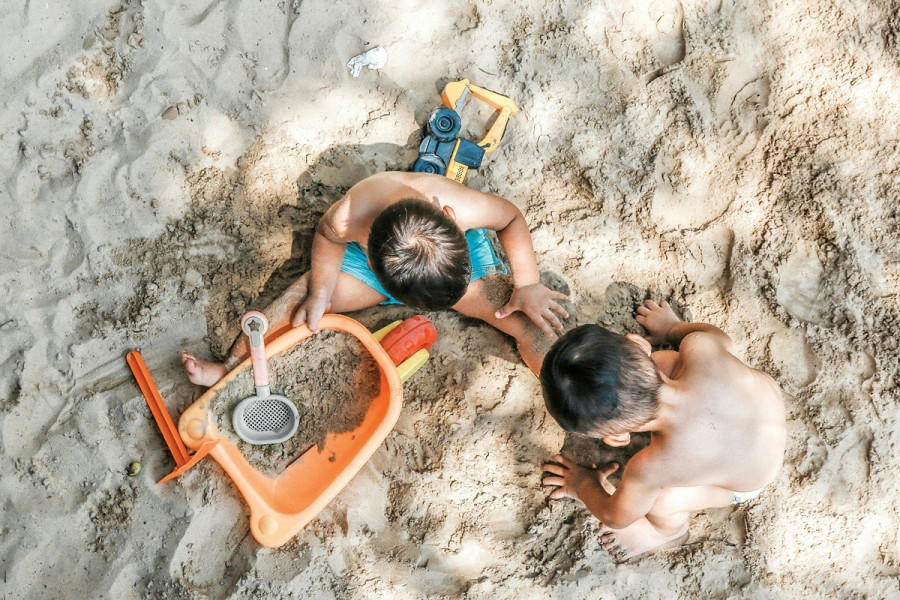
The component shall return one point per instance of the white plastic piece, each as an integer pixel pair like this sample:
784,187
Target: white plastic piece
375,58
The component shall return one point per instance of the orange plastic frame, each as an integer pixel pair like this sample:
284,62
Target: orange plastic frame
280,506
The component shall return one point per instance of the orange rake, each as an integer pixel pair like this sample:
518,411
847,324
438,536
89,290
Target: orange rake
183,460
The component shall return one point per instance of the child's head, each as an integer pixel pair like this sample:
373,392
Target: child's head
419,255
599,383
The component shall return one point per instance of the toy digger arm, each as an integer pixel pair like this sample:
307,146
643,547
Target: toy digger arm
491,141
454,96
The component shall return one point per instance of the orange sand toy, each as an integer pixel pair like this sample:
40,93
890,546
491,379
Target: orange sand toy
280,506
183,460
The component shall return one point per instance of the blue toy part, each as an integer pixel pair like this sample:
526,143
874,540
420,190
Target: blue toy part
430,163
469,153
435,155
444,124
442,147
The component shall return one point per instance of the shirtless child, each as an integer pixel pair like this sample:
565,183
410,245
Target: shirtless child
717,426
416,239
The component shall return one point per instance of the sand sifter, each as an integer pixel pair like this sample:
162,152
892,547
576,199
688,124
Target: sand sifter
264,418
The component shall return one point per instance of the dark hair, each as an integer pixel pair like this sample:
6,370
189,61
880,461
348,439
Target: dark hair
419,255
599,383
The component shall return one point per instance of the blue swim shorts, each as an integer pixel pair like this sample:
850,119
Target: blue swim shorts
481,252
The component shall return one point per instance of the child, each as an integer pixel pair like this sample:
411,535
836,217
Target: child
717,430
416,239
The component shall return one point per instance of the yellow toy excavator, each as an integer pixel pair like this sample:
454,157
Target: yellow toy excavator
445,153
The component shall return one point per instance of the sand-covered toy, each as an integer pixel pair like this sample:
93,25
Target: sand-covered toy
347,391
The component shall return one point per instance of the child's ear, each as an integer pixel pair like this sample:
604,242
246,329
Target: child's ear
618,440
642,342
449,212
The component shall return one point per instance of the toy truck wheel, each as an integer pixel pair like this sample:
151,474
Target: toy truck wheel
430,163
444,124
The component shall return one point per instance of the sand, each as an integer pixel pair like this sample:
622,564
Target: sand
164,165
330,378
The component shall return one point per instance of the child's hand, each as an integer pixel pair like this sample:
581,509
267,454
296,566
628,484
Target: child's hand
538,302
571,478
658,320
310,311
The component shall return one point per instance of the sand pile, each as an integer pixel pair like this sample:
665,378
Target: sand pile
331,379
164,166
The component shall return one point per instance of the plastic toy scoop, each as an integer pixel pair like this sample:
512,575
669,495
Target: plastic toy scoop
183,460
282,504
264,418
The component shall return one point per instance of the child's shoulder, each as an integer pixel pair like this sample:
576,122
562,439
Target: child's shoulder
376,181
704,355
702,347
701,342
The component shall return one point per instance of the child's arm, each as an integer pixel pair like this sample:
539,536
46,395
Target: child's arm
477,209
631,501
327,253
664,327
529,295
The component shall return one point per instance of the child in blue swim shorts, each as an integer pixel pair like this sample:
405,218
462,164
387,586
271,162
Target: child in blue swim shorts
481,254
418,239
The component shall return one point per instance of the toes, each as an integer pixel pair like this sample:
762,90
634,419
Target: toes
616,551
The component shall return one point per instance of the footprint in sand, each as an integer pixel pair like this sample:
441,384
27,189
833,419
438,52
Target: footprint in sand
795,359
683,198
646,38
68,253
742,107
422,457
703,256
11,381
800,288
668,18
216,529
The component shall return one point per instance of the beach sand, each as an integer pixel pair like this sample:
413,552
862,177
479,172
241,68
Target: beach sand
164,166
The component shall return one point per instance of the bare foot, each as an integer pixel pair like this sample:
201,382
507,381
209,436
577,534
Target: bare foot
202,372
636,539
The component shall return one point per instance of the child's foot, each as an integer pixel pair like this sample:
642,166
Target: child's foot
636,539
202,372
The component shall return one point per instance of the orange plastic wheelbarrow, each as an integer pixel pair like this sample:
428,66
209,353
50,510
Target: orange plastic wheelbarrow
281,505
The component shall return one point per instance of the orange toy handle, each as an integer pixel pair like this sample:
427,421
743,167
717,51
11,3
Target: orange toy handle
157,407
407,338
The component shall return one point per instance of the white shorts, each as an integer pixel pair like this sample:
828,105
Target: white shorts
741,497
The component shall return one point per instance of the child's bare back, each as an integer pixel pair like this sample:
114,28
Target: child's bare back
716,407
717,427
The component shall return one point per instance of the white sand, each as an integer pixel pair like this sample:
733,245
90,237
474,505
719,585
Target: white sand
162,160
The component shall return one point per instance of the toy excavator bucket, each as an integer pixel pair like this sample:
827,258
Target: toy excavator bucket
280,506
455,94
